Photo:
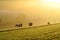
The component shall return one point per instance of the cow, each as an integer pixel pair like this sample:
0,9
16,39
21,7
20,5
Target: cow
18,25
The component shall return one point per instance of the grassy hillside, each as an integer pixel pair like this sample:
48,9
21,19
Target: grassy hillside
50,32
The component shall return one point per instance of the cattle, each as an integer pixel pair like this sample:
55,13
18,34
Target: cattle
18,25
30,24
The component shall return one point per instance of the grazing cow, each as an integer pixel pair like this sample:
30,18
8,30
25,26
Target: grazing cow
30,24
18,25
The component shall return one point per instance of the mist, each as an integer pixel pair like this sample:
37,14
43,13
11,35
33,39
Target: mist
37,12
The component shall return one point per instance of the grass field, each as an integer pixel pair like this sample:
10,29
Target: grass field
49,32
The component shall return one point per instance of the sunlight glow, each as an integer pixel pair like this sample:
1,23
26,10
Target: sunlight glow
50,0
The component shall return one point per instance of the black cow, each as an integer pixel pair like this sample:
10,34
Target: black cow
30,24
18,25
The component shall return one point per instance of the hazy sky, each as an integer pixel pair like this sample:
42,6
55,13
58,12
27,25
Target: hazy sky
38,9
